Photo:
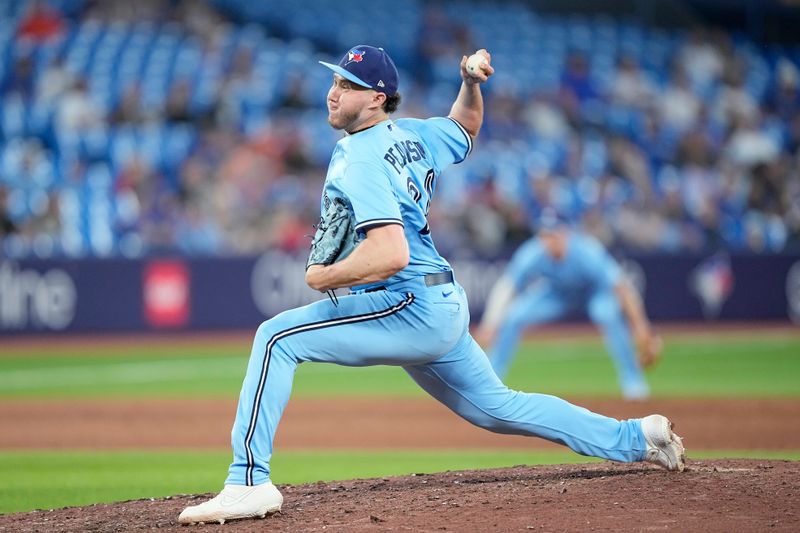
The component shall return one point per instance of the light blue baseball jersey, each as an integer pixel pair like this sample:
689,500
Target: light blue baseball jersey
584,278
586,265
387,174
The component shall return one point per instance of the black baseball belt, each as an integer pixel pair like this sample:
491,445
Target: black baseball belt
431,280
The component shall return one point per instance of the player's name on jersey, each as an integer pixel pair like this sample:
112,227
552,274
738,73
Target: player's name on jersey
403,153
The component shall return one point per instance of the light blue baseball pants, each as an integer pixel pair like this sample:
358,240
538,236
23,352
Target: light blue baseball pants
542,303
424,330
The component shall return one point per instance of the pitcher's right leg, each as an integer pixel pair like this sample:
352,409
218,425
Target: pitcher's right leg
348,334
463,381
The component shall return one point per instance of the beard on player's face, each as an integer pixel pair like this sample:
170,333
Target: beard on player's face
348,110
342,119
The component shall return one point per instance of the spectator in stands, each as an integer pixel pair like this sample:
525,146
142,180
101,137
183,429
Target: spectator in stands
630,87
630,163
792,216
545,118
678,232
41,22
77,111
505,122
768,188
134,187
229,108
20,80
440,39
160,218
734,103
54,82
294,95
124,10
748,144
715,125
679,107
486,226
177,107
289,231
702,60
197,232
577,87
7,226
784,98
129,109
200,18
46,219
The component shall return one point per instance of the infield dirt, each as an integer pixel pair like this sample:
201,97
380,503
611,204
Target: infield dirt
725,495
369,423
720,496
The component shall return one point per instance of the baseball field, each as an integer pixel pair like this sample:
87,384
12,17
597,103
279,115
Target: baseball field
120,433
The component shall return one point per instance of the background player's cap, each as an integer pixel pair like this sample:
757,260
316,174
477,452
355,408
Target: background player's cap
369,67
551,219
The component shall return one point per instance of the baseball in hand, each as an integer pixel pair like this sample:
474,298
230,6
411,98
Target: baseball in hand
474,63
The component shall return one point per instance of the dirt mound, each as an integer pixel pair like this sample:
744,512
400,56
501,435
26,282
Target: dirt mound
725,495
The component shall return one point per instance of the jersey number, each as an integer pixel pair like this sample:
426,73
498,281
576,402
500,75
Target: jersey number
416,195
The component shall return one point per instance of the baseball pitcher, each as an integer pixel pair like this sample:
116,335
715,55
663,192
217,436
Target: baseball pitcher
406,307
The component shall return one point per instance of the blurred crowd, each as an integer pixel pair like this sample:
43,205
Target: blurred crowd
168,126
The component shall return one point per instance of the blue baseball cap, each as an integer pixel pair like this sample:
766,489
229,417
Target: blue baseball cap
369,67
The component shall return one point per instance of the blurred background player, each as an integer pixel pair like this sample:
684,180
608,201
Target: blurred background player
559,271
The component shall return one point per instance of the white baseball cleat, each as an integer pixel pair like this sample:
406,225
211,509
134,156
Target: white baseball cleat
664,447
234,502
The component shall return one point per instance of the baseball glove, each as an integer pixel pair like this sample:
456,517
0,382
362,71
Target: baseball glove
335,238
649,348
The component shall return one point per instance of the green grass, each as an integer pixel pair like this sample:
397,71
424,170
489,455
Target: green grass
720,365
31,480
714,365
727,364
53,479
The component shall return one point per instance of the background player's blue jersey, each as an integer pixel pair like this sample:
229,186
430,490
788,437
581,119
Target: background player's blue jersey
547,289
586,265
387,174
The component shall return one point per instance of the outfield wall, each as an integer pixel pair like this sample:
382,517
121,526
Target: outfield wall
117,295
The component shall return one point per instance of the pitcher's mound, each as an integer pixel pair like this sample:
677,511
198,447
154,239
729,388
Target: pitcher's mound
725,495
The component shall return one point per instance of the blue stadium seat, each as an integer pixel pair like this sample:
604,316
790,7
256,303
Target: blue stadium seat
530,51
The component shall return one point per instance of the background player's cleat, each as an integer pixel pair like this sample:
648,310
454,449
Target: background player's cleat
234,502
664,447
636,391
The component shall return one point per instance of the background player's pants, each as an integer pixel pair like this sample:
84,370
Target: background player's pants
542,304
425,330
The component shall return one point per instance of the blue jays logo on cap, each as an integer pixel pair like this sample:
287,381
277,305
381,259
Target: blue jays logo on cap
368,67
355,55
